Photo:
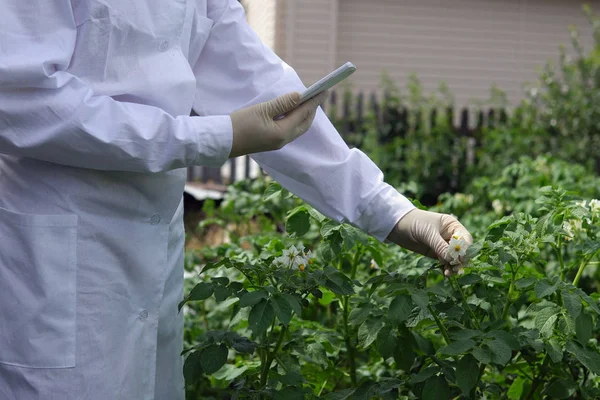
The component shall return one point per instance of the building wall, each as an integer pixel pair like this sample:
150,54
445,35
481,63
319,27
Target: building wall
469,44
310,37
262,16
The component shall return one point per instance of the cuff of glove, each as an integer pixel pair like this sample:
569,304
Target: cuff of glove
383,212
214,140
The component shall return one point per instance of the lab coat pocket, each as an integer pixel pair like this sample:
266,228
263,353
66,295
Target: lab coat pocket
37,289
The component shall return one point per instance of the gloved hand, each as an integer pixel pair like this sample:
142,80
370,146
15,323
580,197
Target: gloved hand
434,235
255,130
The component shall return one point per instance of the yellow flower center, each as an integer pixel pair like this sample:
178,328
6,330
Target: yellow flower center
457,247
301,267
311,261
456,237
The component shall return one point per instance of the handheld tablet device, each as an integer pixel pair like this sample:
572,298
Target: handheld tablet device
327,82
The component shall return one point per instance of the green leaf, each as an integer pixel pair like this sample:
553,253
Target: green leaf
213,357
524,283
282,308
591,302
436,388
572,303
518,388
261,316
272,191
554,350
483,354
359,314
458,347
352,235
473,250
221,280
567,324
545,288
591,247
507,337
294,303
425,374
244,345
316,215
298,222
338,282
469,279
401,308
341,395
316,352
420,298
586,356
467,373
327,297
251,298
386,342
221,293
404,356
560,389
329,227
583,328
545,320
192,371
367,332
201,291
230,372
501,353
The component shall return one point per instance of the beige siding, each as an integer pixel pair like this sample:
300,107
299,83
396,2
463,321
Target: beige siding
469,44
261,15
310,44
280,32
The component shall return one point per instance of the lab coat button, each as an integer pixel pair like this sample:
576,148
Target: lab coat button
143,315
155,219
163,46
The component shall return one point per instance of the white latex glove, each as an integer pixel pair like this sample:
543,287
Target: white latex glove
429,233
255,130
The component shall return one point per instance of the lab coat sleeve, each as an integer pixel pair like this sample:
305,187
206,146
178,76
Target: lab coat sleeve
236,70
49,114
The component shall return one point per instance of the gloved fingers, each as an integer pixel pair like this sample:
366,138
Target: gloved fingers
299,120
279,105
429,235
452,227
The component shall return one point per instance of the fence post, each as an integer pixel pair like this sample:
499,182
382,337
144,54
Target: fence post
359,111
346,123
247,166
232,171
333,106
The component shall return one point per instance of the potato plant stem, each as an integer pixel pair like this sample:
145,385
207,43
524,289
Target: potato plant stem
511,289
561,262
466,305
582,266
348,341
440,324
270,356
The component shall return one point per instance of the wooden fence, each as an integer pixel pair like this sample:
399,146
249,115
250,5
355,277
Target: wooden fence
349,114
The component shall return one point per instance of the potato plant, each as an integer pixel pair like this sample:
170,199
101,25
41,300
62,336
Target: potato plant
324,311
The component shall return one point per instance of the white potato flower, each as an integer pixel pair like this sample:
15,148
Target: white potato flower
295,258
374,265
498,206
595,207
572,227
457,248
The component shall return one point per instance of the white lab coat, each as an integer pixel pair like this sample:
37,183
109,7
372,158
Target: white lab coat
95,133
